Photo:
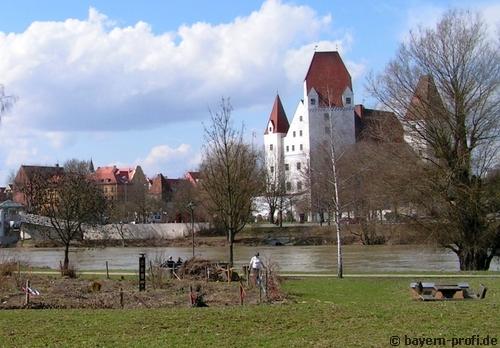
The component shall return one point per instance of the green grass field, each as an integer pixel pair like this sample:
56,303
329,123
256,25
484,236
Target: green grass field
321,312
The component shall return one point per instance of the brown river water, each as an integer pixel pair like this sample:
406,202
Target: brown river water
357,258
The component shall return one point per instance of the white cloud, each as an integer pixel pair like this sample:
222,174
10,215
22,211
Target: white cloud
94,75
162,158
84,77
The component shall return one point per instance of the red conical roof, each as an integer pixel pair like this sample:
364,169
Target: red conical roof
329,77
278,118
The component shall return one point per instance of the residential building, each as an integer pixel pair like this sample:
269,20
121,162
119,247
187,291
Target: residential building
121,184
27,183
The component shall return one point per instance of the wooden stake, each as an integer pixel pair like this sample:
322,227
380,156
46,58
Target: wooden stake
61,268
107,270
260,293
191,297
121,297
26,289
152,274
242,293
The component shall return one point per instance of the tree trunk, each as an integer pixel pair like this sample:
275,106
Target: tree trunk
66,257
474,260
231,242
271,215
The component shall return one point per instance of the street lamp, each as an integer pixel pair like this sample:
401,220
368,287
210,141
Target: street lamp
191,206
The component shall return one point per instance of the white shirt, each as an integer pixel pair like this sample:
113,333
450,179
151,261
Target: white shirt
256,263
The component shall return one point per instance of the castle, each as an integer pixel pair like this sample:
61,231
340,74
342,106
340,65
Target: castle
325,113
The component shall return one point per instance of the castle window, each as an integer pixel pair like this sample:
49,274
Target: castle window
300,133
298,165
327,116
300,118
271,169
348,101
293,147
288,186
327,130
313,101
287,166
287,148
294,134
299,185
301,147
271,147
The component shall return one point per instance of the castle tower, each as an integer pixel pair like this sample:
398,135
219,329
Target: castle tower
326,111
276,130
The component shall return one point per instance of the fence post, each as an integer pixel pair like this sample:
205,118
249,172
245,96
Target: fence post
27,300
142,272
107,270
121,297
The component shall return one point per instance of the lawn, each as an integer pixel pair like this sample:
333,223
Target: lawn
320,312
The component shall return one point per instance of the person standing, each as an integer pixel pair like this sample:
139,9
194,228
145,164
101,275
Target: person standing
256,266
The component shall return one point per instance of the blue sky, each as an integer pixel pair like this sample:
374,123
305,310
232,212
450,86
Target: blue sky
128,82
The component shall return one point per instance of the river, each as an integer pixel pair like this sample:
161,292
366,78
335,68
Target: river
357,258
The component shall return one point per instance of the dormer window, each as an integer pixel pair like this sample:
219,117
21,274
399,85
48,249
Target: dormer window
271,147
348,101
313,101
300,118
270,129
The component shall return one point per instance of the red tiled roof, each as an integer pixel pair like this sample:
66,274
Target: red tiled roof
43,171
113,175
329,77
376,125
278,118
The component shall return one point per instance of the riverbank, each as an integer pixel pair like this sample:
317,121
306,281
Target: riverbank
267,235
320,312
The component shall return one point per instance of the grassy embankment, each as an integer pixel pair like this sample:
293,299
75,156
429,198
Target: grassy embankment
321,312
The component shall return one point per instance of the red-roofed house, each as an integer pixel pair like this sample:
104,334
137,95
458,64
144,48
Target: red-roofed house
193,177
120,184
26,184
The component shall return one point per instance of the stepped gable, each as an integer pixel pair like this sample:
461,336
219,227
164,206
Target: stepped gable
278,118
329,77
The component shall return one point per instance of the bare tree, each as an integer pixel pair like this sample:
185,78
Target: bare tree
443,86
275,193
230,174
69,201
120,214
186,193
